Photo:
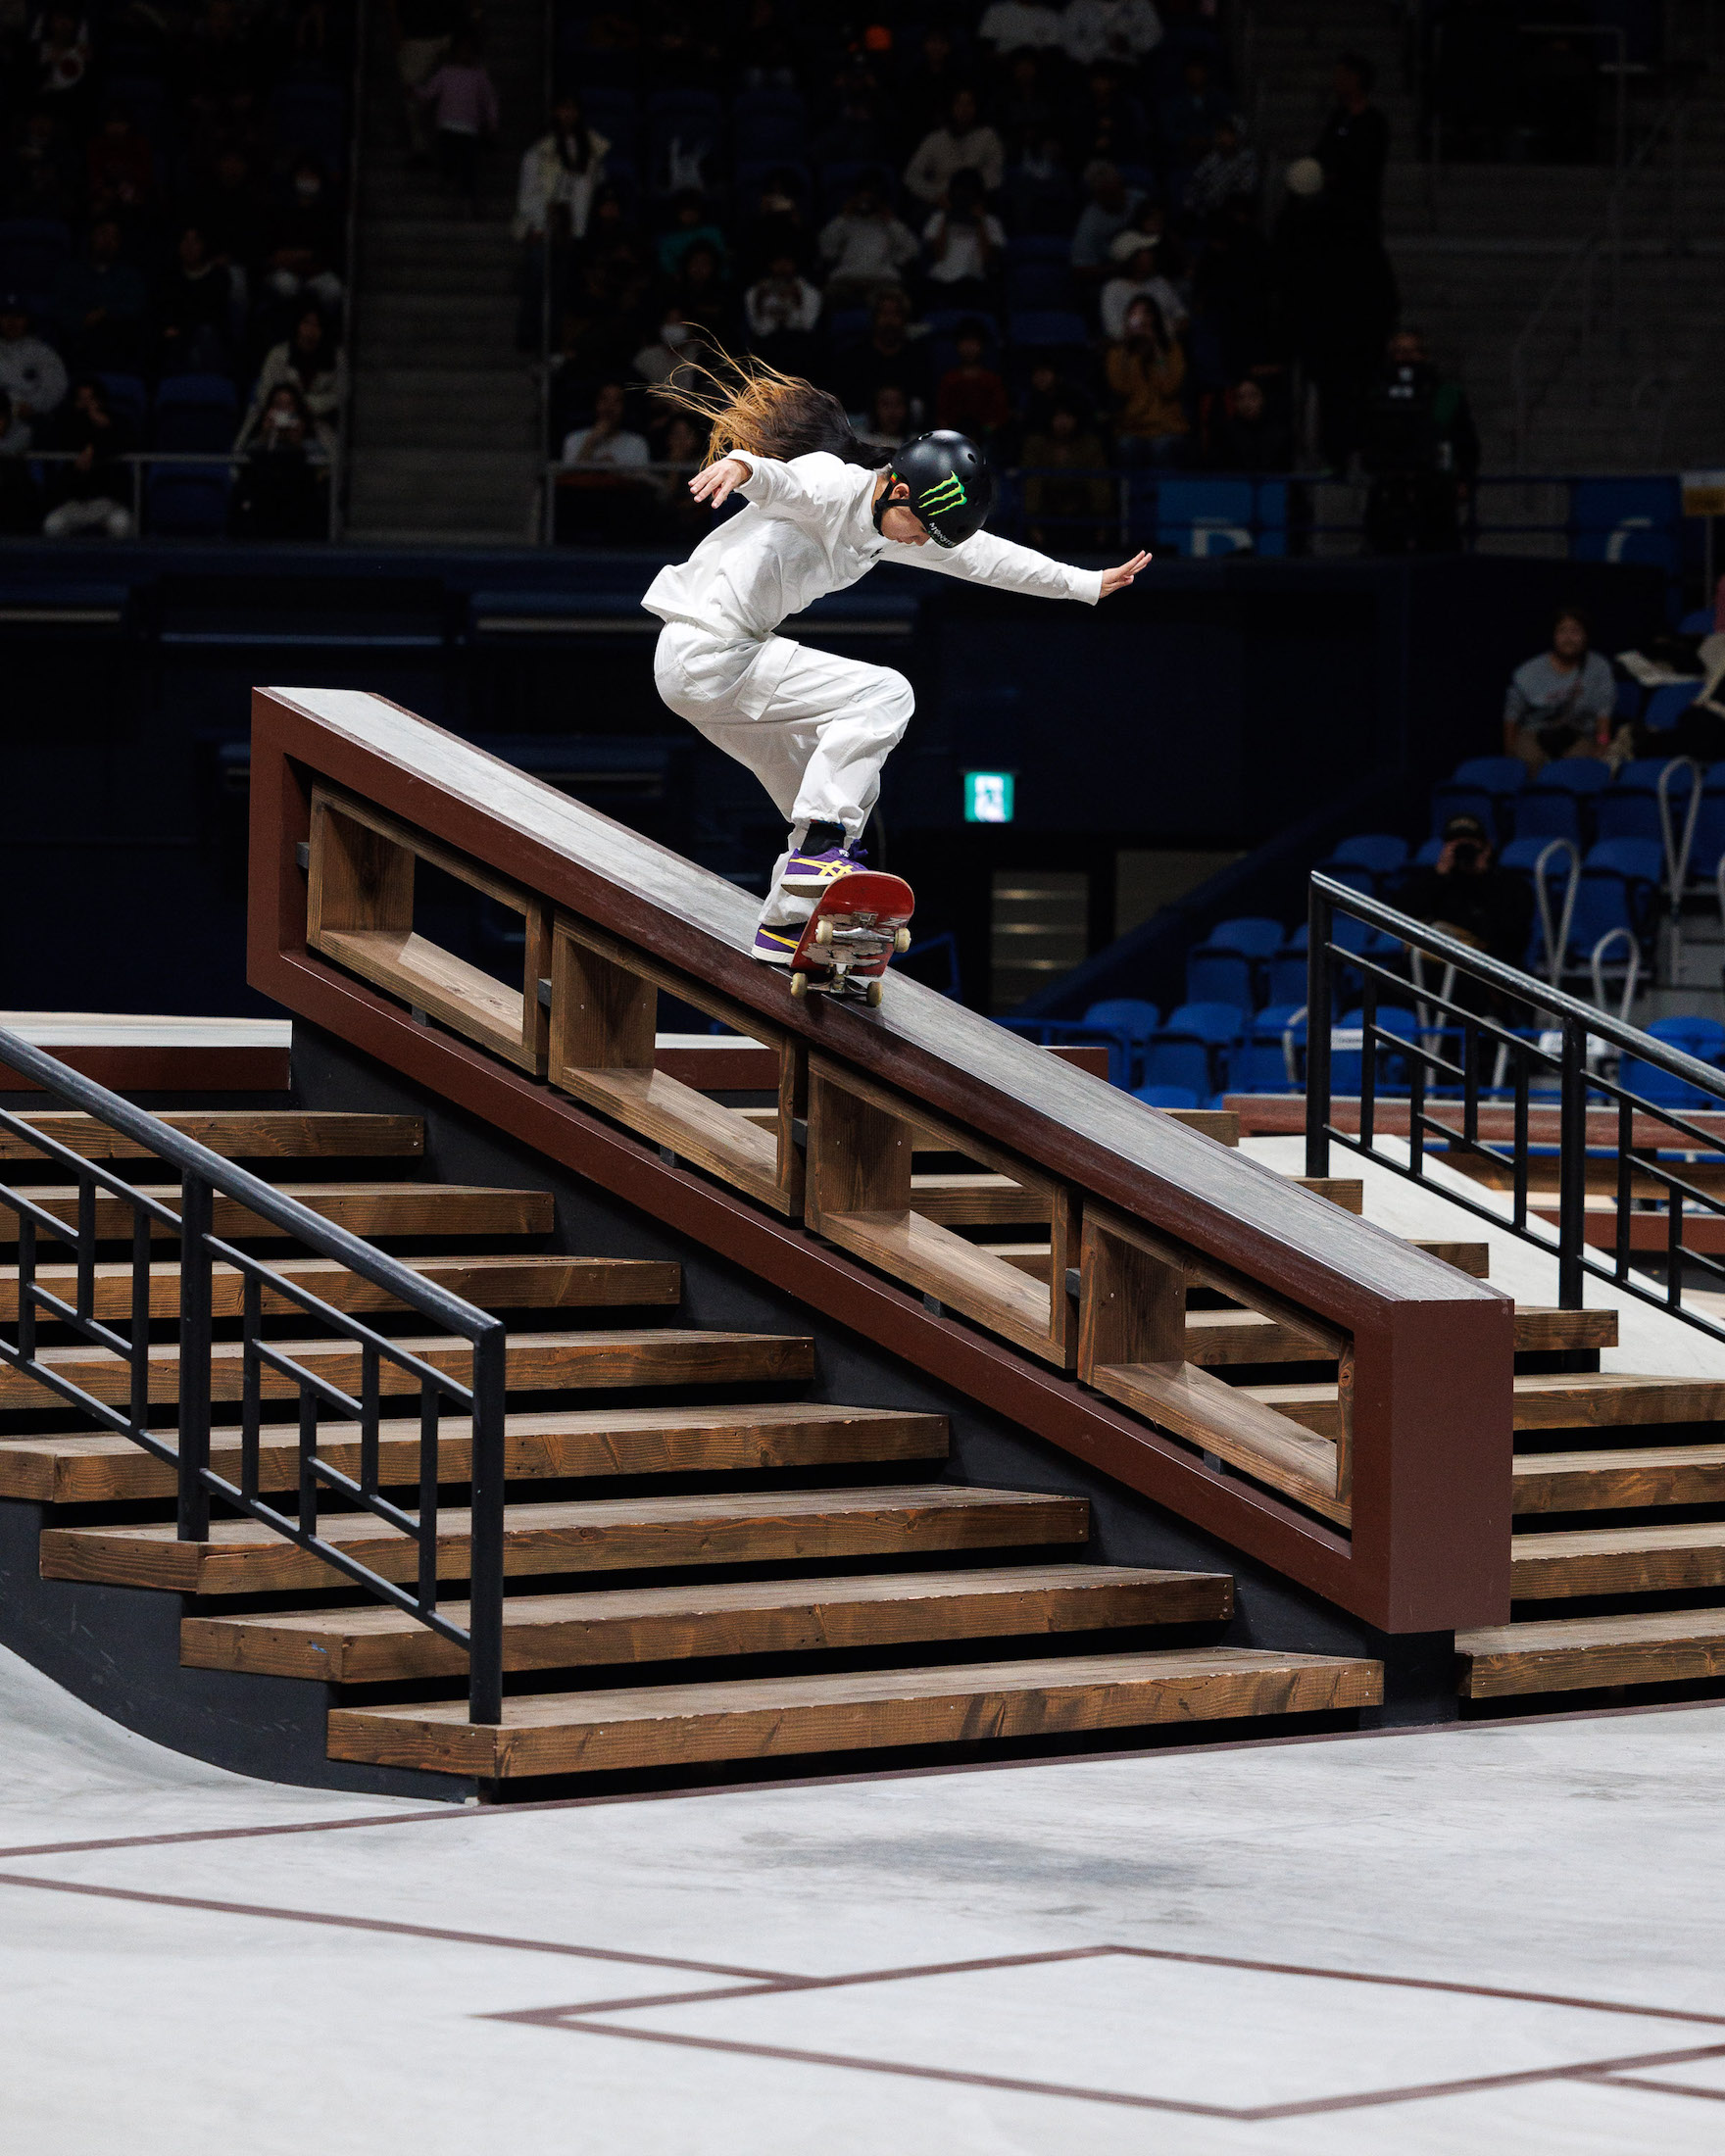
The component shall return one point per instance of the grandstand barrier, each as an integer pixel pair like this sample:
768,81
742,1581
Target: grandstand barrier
1393,1503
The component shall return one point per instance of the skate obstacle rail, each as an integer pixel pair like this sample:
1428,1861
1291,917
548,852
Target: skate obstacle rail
1387,1492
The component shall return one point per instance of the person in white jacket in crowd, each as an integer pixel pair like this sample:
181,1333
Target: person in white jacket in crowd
823,507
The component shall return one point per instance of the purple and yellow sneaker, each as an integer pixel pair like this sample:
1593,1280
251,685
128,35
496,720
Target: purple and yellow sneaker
774,945
813,872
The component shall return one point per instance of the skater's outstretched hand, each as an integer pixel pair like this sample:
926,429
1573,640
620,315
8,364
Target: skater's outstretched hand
1118,579
716,483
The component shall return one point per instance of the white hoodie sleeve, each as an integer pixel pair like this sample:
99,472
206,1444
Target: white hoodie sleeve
814,490
984,558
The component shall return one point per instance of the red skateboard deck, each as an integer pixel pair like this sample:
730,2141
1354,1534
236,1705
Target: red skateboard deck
848,940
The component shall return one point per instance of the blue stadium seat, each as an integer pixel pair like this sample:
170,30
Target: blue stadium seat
1483,787
1257,936
1220,1024
1046,328
1701,1038
196,411
755,175
767,124
1039,286
1348,1061
1697,624
1178,1060
615,115
837,181
1379,856
186,504
1168,1096
1707,844
1131,1021
1626,520
1259,1065
1218,975
1552,807
1272,517
1204,517
130,401
1547,862
32,250
1619,889
1668,702
1628,808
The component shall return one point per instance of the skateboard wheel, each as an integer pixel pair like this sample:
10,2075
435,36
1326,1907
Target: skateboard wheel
901,939
876,990
799,985
823,932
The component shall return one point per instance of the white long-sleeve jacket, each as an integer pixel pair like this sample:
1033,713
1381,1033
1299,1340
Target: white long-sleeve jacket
808,530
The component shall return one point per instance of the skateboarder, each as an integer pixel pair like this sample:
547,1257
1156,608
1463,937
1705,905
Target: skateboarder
824,509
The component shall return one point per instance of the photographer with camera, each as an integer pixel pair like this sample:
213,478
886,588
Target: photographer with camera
1466,896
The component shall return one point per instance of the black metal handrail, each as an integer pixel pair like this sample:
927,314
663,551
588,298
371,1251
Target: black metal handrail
203,1175
1574,1074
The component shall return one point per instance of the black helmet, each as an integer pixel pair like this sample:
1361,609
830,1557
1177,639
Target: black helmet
951,489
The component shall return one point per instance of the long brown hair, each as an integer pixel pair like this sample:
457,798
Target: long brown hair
750,405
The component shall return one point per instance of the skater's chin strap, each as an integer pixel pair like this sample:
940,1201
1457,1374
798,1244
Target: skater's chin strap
883,500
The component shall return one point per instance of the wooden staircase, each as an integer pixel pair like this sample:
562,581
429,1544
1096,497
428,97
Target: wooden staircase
707,1562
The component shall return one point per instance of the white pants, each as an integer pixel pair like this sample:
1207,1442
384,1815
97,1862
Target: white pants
813,728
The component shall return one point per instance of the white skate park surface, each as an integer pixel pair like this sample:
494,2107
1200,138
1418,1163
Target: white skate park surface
1478,1939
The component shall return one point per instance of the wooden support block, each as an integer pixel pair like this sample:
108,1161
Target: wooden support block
1133,1347
359,912
862,1196
604,1053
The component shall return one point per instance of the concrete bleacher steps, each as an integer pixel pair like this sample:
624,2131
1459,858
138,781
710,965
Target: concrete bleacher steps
727,1556
445,408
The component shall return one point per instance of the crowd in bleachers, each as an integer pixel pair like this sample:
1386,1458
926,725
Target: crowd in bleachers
171,265
1043,225
1563,871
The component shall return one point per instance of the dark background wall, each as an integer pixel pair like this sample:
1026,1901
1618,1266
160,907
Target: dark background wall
1217,703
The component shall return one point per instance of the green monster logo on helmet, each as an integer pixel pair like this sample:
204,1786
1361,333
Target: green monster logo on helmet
949,483
949,494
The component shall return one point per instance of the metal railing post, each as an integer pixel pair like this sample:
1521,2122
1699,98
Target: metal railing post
485,1528
195,1216
1571,1163
1318,1034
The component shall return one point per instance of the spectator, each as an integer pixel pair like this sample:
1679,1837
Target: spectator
963,143
120,167
1146,372
1466,896
423,33
1069,497
965,245
311,361
1233,292
21,504
1104,216
1039,196
856,135
701,292
1561,703
1337,295
565,166
1190,117
1046,394
62,55
1025,112
691,226
221,74
972,397
1137,256
228,212
678,346
606,442
1228,173
1248,436
1120,33
31,372
888,418
195,307
1423,449
930,83
45,175
283,486
1355,147
304,245
1010,27
767,57
779,224
1108,123
781,310
99,304
87,491
892,355
462,100
680,518
866,247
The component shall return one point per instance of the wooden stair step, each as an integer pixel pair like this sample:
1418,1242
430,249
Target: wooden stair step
525,1281
1617,1560
100,1467
975,1198
363,1209
237,1134
1620,1480
1034,1258
1668,1646
590,1732
536,1362
1474,1258
1219,1336
608,1533
377,1644
1587,1399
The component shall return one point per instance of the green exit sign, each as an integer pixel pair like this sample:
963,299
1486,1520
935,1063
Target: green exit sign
988,797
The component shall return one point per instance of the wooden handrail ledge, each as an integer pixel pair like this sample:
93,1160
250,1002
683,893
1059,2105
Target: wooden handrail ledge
1404,1518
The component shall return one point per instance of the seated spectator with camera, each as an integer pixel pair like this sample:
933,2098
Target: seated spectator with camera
1465,894
1561,703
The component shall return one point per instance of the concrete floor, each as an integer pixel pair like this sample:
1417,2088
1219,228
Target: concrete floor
1477,1939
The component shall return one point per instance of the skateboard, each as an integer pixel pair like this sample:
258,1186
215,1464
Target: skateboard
848,940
